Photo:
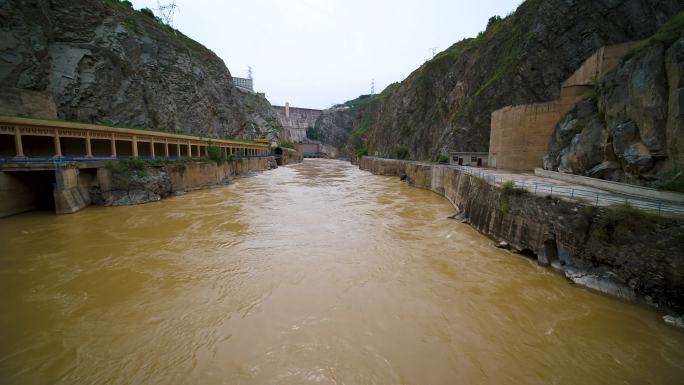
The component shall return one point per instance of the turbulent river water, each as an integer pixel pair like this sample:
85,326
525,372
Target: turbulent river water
312,273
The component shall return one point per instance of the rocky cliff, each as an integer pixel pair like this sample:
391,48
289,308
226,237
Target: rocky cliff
630,128
521,59
333,128
105,62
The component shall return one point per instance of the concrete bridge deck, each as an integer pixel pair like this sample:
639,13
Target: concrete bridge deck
53,164
22,138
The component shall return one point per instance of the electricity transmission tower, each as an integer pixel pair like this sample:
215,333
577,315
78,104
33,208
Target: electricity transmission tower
373,87
434,51
167,12
249,73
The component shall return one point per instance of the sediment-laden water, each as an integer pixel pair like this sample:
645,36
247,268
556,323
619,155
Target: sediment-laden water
314,273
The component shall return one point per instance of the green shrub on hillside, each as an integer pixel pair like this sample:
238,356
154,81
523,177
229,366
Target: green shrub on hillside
443,159
148,12
216,154
672,180
402,152
493,20
620,221
508,185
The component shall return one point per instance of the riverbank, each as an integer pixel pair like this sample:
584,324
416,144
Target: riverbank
120,184
68,187
620,251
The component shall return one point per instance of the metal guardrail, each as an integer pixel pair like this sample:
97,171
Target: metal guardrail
595,197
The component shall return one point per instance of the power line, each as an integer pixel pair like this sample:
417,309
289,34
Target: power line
167,12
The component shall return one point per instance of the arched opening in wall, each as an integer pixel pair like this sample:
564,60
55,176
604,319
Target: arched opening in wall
101,147
22,191
38,146
7,149
279,156
124,148
528,253
73,146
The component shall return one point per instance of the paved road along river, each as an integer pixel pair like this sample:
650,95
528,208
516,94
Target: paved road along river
312,273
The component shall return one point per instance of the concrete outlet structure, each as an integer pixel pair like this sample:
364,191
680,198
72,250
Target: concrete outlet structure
520,135
54,163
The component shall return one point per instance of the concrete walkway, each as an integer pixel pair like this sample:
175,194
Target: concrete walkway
568,191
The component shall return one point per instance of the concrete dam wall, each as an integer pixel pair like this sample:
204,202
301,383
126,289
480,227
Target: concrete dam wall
619,251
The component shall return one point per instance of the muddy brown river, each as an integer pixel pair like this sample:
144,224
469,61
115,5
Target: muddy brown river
316,273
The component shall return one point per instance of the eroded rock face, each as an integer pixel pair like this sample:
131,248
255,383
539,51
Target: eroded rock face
674,65
586,148
636,129
135,187
106,63
333,127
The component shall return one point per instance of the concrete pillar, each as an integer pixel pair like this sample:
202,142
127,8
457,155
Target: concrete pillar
225,151
113,146
89,149
135,146
152,148
178,153
287,109
18,145
166,148
58,145
189,150
206,150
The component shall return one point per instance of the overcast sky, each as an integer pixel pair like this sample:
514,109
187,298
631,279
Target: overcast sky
316,53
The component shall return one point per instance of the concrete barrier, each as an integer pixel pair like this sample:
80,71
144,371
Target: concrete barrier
616,187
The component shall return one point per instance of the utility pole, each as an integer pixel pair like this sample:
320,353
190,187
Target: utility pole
167,12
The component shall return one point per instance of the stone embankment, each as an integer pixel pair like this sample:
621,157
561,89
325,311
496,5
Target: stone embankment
114,185
620,251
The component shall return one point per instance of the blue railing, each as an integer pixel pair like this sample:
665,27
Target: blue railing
63,159
595,197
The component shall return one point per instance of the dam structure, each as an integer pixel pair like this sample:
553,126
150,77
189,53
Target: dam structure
296,120
42,160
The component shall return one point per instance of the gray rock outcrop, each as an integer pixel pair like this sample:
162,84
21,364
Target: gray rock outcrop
633,128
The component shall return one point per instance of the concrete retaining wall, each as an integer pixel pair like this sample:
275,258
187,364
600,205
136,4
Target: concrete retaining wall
77,185
629,254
